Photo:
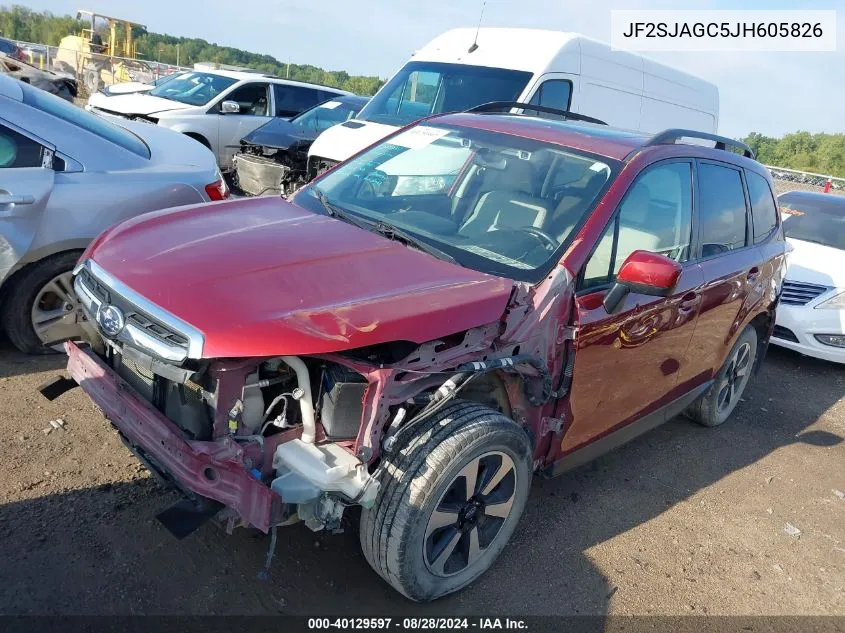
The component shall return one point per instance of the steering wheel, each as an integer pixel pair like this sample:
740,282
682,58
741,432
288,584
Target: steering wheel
548,241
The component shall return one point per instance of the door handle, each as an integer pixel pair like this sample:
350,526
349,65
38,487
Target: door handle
753,274
689,301
8,198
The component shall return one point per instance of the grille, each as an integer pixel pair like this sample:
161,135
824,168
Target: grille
132,314
784,333
142,380
796,293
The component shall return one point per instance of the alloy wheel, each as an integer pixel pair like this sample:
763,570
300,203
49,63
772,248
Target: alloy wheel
470,514
56,312
734,379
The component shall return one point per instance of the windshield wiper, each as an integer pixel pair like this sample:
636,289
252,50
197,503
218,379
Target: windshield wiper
394,233
335,211
382,228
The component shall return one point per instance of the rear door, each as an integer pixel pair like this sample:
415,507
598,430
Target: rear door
26,182
733,267
627,363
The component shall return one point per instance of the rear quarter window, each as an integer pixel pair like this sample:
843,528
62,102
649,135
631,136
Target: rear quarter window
763,208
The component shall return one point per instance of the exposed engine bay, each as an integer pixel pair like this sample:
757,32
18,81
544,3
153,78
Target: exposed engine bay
262,170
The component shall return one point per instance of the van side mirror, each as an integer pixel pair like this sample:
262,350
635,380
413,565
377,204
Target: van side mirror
644,273
230,107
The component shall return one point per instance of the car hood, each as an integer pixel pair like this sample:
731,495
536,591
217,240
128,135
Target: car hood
816,264
263,277
135,103
342,141
279,134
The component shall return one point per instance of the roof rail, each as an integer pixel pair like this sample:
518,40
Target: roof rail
670,137
496,106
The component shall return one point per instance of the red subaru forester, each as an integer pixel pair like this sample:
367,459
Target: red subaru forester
475,298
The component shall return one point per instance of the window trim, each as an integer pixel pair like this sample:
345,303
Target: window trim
749,231
778,221
614,218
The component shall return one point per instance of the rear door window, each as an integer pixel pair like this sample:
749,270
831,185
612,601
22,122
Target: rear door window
291,100
721,210
764,211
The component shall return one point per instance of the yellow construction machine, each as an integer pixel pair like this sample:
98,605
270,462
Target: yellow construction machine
103,53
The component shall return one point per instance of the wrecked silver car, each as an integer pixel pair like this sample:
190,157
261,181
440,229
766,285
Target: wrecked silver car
59,84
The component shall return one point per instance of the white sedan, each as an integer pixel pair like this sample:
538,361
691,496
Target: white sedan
811,315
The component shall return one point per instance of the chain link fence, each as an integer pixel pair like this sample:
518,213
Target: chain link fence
91,69
794,180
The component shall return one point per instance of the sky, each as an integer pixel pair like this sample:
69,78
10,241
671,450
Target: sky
771,93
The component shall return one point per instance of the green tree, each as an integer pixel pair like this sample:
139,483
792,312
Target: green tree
20,23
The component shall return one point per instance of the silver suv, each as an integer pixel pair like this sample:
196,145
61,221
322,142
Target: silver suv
65,176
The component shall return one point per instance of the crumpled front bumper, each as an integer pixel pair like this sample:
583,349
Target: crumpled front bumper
211,469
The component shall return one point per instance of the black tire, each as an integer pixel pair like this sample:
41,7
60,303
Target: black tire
711,408
394,532
91,79
16,310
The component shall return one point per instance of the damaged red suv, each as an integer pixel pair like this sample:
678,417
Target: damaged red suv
476,298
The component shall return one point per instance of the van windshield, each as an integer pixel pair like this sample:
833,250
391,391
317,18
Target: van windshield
424,88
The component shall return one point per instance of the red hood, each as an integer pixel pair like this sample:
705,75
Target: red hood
262,277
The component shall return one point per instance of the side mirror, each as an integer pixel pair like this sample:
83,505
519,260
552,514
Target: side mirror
230,107
644,273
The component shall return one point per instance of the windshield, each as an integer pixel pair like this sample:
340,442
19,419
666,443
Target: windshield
424,88
494,202
193,88
325,115
814,220
66,111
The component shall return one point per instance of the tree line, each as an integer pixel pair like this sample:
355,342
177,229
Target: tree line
819,153
21,23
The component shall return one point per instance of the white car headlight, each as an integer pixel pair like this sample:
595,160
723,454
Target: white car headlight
836,302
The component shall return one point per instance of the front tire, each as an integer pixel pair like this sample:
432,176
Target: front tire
449,501
40,309
716,404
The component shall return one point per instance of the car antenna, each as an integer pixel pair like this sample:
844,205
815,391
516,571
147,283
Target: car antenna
474,46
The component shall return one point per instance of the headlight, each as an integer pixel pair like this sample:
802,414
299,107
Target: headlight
834,303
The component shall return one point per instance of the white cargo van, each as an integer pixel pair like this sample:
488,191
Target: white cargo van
561,70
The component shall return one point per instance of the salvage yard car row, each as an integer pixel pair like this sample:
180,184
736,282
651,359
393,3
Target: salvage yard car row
420,328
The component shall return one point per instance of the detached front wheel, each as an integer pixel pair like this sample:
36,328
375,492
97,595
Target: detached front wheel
449,501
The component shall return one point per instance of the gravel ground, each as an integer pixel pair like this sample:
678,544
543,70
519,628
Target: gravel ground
685,520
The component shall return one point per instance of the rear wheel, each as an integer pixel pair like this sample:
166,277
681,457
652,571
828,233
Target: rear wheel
40,309
718,402
449,501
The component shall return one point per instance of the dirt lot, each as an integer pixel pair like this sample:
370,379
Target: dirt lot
685,520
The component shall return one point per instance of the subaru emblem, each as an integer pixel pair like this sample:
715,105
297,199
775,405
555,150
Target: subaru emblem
110,319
